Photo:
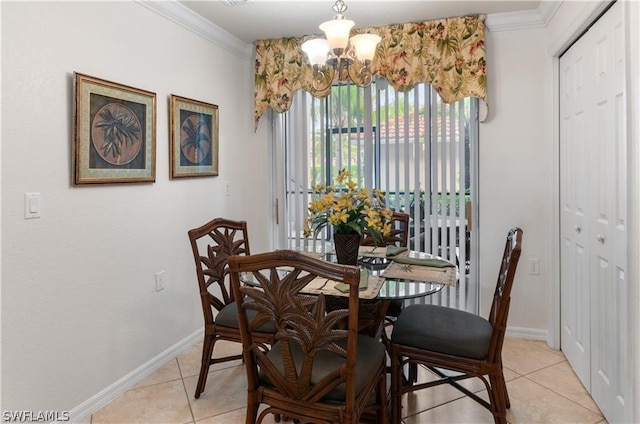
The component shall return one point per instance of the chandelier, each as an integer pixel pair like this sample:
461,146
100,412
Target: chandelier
339,51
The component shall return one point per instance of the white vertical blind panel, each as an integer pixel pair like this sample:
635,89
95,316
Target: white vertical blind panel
435,184
363,138
421,213
281,230
462,190
404,184
451,198
347,135
441,213
394,176
296,129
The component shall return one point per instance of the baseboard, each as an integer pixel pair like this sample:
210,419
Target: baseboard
93,404
526,333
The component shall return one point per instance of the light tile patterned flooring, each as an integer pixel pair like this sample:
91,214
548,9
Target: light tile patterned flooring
541,385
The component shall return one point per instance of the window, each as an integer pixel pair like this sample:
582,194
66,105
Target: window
416,148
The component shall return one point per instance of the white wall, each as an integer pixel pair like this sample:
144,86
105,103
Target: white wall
79,307
515,173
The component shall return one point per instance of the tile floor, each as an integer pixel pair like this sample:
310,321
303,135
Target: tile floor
542,388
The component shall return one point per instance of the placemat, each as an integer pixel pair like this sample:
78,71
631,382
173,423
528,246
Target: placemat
381,252
445,275
327,287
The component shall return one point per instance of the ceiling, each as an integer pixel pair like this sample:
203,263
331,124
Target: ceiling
265,19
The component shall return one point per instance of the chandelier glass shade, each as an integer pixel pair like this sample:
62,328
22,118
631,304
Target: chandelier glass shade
338,50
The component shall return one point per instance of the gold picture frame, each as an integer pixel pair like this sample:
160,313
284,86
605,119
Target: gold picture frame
114,138
193,137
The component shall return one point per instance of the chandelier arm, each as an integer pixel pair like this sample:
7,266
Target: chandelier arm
320,80
363,77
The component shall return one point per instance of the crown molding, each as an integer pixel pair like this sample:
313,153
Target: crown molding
538,18
188,19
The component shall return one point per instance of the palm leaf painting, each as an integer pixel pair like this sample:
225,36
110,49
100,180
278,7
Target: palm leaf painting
118,133
195,141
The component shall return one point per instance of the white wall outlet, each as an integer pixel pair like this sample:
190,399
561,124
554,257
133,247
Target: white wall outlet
534,266
161,280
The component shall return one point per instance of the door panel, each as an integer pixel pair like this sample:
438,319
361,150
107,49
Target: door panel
608,219
574,173
593,205
575,314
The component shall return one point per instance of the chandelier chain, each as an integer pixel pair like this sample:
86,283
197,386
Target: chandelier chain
340,7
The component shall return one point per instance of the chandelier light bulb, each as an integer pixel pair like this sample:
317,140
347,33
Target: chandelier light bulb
337,32
365,45
317,51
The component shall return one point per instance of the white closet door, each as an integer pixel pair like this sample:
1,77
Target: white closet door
608,213
575,139
593,207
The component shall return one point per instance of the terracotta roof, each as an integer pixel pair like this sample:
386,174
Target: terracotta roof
390,127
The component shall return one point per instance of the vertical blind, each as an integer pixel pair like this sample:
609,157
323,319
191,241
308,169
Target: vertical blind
413,146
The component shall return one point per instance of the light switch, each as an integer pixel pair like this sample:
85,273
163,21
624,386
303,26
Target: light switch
34,205
31,205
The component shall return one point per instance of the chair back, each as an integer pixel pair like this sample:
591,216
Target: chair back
399,235
212,244
307,333
502,294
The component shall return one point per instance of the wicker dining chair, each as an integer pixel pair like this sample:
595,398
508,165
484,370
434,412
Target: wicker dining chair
316,370
443,338
399,236
212,244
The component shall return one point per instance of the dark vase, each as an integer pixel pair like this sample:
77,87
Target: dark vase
346,246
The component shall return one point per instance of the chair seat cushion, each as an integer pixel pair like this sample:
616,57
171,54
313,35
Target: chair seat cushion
370,354
228,317
444,330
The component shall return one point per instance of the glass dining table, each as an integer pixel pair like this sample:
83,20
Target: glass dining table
407,275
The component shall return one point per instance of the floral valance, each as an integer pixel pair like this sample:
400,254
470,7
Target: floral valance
446,53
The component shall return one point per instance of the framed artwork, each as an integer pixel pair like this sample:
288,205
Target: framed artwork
193,138
114,132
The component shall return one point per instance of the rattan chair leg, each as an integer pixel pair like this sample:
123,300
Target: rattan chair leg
498,408
396,388
507,402
207,352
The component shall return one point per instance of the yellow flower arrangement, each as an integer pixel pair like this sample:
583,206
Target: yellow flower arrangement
348,209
